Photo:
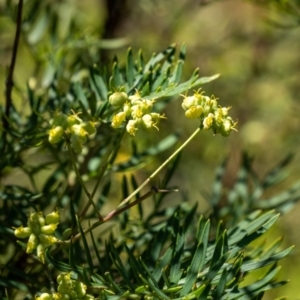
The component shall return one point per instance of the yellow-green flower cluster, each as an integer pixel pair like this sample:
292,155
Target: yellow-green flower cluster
67,289
134,110
40,232
71,127
211,115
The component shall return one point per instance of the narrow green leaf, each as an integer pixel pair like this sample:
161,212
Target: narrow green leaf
216,267
154,288
253,265
58,265
163,263
220,288
205,293
193,270
119,265
175,273
86,247
130,71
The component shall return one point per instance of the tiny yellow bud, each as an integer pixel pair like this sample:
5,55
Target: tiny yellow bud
118,119
64,278
48,229
44,296
79,131
79,288
32,243
188,102
22,232
135,99
194,112
55,134
41,252
47,239
52,218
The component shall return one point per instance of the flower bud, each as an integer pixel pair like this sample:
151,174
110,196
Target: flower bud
188,102
127,109
194,112
22,232
118,98
47,239
48,229
64,279
41,252
52,218
44,296
135,99
55,134
79,131
67,233
63,297
118,119
34,222
32,243
79,288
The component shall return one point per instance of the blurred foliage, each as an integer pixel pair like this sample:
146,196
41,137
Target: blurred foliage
63,47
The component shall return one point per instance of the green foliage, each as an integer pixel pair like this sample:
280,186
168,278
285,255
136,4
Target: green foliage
138,250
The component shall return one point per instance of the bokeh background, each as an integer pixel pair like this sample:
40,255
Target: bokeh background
254,45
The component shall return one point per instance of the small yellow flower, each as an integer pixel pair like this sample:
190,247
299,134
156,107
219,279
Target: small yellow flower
208,121
118,119
131,127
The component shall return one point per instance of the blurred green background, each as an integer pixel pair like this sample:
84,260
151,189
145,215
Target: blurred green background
253,45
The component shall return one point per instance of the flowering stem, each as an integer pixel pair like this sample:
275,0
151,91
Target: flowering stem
109,161
81,181
160,168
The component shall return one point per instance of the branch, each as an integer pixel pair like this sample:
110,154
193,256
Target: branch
9,83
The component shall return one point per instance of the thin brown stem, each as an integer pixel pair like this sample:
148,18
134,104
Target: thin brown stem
9,80
112,214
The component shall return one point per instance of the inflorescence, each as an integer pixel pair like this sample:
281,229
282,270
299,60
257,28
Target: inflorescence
72,128
40,232
67,289
134,110
209,112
